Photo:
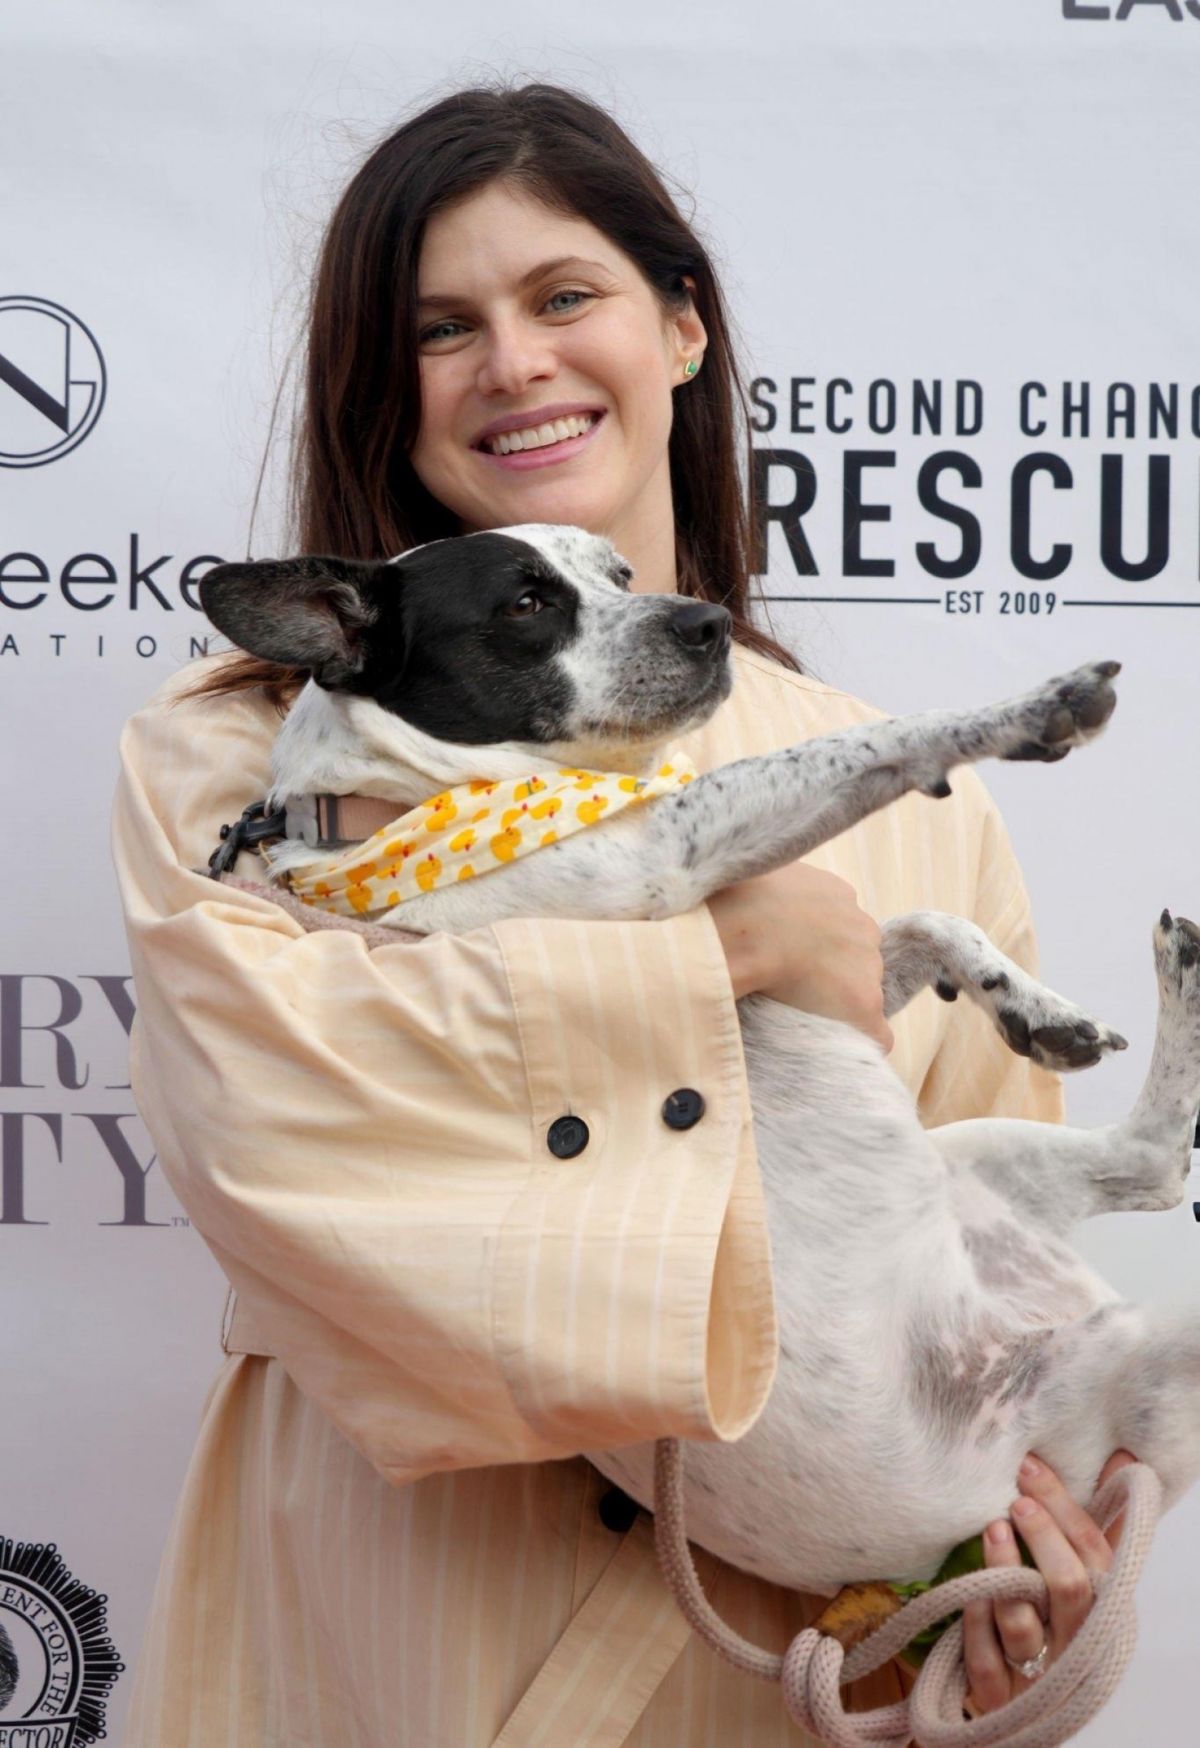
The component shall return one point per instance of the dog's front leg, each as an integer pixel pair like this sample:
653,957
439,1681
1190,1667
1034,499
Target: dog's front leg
665,857
760,813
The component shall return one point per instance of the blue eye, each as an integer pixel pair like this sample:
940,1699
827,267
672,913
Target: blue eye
555,294
432,333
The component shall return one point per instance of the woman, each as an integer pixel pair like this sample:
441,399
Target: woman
387,1533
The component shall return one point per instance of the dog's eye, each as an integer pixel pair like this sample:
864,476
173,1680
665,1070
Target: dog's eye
524,605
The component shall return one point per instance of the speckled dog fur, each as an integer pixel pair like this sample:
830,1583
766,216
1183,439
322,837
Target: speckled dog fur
934,1322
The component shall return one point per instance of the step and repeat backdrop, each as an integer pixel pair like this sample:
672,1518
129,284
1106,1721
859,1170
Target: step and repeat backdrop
959,240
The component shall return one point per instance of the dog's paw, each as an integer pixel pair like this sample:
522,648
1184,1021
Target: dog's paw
1035,1022
1177,959
1066,712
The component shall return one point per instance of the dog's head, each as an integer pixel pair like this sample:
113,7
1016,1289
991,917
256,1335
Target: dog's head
523,637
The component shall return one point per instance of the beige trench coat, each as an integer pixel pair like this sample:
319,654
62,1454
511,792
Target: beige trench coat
386,1534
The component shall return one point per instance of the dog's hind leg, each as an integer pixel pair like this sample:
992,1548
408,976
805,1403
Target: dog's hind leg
1123,1376
928,949
1057,1176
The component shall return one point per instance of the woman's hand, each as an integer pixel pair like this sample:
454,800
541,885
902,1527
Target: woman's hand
799,936
1066,1545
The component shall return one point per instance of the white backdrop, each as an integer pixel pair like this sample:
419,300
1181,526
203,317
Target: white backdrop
990,193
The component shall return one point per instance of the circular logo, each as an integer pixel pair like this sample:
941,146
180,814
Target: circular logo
57,1664
52,381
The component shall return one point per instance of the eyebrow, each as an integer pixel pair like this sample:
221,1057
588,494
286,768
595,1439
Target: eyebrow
439,300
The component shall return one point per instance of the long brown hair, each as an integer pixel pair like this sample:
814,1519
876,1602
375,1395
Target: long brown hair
352,490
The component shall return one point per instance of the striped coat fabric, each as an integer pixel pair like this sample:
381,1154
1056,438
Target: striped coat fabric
387,1537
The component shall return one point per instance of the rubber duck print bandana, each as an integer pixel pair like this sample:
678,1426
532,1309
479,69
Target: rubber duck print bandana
470,830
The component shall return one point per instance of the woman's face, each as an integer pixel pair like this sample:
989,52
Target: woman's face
510,333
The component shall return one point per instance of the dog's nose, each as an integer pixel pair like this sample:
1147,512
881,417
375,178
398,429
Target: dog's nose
701,626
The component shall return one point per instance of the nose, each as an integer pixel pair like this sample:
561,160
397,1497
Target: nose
516,354
700,626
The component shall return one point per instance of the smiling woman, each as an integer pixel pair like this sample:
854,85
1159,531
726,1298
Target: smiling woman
526,344
540,273
490,1200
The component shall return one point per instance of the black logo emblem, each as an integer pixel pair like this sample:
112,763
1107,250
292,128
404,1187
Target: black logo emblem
57,1664
52,381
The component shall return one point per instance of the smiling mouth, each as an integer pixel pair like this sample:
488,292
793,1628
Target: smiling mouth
553,437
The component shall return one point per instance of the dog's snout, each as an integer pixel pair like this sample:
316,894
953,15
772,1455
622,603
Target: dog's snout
701,626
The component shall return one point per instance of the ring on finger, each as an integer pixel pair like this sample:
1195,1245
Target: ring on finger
1031,1667
1020,1630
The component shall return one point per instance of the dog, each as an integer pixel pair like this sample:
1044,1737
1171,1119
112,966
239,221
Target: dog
478,656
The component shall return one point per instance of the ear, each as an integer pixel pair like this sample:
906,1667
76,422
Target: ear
690,332
304,612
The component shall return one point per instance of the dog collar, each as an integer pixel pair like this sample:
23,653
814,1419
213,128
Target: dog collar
467,831
327,822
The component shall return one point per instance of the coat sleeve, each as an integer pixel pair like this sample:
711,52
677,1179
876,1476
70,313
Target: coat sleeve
974,1073
361,1138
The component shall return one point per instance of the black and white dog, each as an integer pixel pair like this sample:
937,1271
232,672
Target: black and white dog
474,657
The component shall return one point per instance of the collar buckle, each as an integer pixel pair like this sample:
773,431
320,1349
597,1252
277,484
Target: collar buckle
254,827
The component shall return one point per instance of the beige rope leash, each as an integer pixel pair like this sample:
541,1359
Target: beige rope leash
815,1665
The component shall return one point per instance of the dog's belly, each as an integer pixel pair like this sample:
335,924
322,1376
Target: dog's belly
906,1393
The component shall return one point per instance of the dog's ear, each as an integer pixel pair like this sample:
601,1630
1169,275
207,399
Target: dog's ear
304,612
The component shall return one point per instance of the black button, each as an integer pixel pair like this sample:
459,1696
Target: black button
567,1136
683,1108
617,1510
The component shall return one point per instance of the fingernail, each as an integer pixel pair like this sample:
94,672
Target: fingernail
1029,1468
999,1533
1023,1507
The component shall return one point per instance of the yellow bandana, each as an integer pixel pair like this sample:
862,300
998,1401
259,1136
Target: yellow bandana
470,830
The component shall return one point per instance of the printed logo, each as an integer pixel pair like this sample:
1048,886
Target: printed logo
56,1662
1030,443
1176,9
52,381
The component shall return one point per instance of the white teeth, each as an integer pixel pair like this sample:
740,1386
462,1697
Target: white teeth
536,436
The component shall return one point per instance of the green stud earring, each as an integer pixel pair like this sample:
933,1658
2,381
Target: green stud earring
691,367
